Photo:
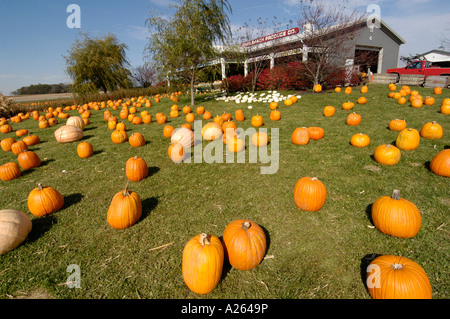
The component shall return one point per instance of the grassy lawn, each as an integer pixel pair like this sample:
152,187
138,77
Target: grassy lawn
320,254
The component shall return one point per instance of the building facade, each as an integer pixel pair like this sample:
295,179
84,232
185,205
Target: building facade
374,41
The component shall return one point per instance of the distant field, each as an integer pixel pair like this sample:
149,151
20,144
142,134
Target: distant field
41,97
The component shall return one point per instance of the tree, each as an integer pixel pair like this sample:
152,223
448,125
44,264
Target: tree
98,64
183,44
328,33
144,75
255,61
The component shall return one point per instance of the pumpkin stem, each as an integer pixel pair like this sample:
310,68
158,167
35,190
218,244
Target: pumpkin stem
396,194
314,178
204,239
397,266
125,191
246,225
40,186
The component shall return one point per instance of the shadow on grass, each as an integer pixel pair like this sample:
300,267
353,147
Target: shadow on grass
97,152
40,226
365,261
72,199
152,170
89,128
31,170
46,162
148,205
369,213
86,137
427,165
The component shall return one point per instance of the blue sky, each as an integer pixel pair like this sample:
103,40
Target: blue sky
34,35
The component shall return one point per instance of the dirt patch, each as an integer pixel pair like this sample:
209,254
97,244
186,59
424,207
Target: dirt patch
445,201
37,294
372,168
416,164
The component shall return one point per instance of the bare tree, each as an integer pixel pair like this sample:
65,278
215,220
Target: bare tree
144,75
255,53
329,29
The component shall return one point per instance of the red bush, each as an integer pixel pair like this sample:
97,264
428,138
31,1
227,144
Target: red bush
236,83
288,76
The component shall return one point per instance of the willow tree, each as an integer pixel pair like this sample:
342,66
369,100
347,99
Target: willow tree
183,44
98,64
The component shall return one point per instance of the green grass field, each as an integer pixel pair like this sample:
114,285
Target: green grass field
310,255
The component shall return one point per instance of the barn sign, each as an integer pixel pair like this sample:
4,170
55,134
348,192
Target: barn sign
271,37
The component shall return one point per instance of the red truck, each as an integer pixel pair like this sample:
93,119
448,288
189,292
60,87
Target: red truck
421,68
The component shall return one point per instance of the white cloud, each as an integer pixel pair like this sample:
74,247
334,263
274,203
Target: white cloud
421,30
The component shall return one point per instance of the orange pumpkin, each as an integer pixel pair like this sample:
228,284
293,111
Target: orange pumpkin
202,263
257,120
168,130
9,171
85,150
136,169
207,115
364,89
429,100
353,119
431,130
244,244
316,132
440,164
118,137
395,277
190,117
408,139
260,139
44,200
176,152
200,110
329,110
309,194
362,100
239,115
387,154
300,136
348,105
360,140
397,125
275,115
396,216
125,209
136,139
437,90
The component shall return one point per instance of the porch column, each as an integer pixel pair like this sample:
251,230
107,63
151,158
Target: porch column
245,68
222,64
305,53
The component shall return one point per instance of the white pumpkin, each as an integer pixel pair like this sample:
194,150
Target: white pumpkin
68,133
14,229
184,136
76,121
